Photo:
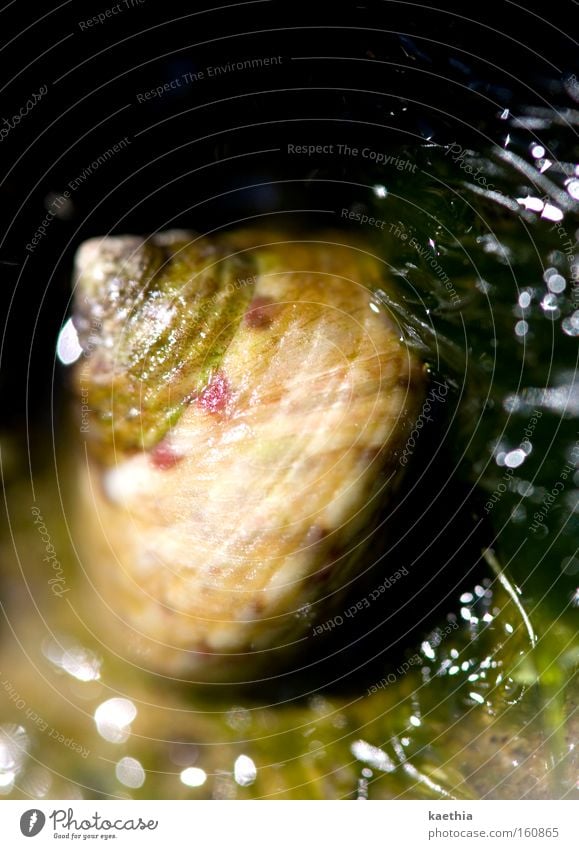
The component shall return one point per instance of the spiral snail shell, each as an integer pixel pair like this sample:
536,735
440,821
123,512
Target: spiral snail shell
248,398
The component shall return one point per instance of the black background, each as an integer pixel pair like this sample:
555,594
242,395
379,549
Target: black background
391,74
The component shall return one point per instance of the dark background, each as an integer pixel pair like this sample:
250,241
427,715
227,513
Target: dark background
212,152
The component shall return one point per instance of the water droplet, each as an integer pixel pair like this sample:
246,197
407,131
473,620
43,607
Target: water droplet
515,458
531,203
36,782
521,328
244,771
79,662
570,324
6,781
193,776
556,283
372,755
548,273
68,348
13,747
130,772
549,302
427,650
113,719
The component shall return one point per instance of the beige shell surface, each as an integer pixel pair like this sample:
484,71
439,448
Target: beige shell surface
226,542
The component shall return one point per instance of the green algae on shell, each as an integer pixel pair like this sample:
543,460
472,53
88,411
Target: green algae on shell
154,319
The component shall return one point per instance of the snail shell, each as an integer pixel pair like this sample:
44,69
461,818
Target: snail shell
248,402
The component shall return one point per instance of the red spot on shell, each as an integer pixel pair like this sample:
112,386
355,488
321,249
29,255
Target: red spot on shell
259,313
163,456
216,395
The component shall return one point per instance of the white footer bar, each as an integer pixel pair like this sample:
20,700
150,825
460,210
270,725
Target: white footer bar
290,825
